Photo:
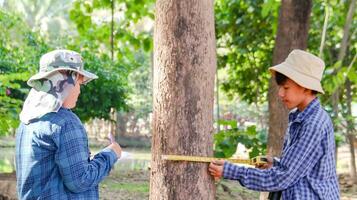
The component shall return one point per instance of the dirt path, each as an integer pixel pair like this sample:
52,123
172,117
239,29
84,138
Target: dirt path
8,186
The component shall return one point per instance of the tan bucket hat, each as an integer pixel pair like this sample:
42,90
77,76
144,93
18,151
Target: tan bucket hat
56,60
304,68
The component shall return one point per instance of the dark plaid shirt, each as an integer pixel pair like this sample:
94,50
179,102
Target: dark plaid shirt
53,159
307,167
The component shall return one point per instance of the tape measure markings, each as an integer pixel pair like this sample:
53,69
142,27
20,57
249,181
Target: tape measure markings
256,160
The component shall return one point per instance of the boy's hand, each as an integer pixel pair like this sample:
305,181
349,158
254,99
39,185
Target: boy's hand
116,148
267,165
216,169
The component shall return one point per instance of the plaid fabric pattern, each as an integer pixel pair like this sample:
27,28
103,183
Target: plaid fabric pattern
307,165
53,159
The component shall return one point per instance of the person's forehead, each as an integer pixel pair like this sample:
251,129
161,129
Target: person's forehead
290,82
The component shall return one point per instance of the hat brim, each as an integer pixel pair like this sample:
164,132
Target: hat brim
88,76
298,77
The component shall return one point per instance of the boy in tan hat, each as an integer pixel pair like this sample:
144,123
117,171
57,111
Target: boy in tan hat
306,168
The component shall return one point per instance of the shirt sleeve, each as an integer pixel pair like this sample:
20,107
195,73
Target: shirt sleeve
79,173
296,162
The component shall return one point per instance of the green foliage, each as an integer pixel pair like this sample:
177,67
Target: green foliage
10,104
129,35
246,33
140,83
131,63
106,92
338,139
336,71
21,48
226,141
245,40
19,51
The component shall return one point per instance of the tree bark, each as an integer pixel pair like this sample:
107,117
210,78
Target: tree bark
292,34
323,35
184,70
122,120
112,32
350,130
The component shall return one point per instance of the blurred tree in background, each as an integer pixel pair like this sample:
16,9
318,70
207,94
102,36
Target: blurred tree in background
123,30
19,51
24,40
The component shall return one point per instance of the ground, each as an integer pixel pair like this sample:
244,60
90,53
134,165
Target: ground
135,186
130,178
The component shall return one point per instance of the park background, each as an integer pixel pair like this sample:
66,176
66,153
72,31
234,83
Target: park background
115,39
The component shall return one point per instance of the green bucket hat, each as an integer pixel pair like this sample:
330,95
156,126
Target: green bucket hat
57,60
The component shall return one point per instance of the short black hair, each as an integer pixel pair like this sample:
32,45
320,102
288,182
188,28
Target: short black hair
281,79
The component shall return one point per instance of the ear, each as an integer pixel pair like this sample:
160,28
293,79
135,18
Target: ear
80,78
308,91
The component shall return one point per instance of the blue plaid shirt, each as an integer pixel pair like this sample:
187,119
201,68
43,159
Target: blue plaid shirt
307,165
53,159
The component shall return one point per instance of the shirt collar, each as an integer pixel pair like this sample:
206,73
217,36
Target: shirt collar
296,116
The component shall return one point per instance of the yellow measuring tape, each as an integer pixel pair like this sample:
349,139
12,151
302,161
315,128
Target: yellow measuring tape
254,161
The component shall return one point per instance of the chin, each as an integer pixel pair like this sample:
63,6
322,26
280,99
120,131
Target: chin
289,107
72,106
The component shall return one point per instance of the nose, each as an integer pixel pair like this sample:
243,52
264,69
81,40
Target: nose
281,92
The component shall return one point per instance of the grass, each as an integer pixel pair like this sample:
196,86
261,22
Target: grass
7,142
131,187
127,185
236,191
5,166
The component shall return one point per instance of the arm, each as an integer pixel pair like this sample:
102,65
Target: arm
72,158
297,161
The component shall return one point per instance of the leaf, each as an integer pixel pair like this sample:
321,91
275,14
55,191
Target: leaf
254,152
219,154
352,75
231,123
267,7
147,44
251,130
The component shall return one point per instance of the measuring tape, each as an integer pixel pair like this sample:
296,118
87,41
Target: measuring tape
254,161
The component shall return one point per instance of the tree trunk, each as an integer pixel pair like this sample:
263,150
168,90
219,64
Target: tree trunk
112,32
292,34
350,130
323,35
121,120
346,30
184,70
